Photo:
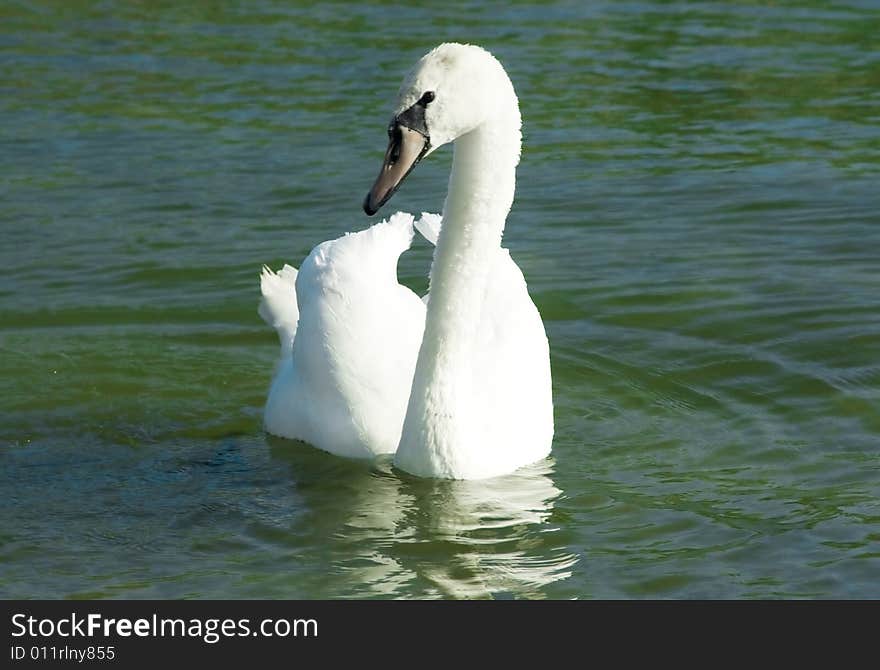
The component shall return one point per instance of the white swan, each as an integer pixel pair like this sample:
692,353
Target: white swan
460,389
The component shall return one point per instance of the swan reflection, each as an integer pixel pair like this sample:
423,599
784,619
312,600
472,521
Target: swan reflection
386,534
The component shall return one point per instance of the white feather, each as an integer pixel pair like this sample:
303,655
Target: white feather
278,307
345,384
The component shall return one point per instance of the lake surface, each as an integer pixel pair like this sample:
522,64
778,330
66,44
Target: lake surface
697,215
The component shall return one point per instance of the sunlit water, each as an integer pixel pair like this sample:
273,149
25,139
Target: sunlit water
697,217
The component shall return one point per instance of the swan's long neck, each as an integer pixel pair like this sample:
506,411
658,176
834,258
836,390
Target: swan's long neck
439,429
481,188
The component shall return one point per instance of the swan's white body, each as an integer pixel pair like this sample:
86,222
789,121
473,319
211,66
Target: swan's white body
460,389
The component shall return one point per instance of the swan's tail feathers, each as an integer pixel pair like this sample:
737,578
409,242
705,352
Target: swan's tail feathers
429,226
278,306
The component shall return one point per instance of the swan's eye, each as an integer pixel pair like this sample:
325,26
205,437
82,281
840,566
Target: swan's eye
426,98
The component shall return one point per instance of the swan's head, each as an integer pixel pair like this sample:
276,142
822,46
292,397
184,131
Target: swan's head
450,92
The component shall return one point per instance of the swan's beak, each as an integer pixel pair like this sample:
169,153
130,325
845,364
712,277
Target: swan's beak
405,149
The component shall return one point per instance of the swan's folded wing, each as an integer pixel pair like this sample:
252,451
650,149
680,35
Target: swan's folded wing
278,306
512,372
346,384
429,226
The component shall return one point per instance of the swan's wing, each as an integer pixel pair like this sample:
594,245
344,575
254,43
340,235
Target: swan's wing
511,372
356,345
278,306
429,226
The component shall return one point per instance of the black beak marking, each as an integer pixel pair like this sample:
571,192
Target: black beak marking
408,142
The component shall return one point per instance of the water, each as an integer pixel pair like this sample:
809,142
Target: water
697,217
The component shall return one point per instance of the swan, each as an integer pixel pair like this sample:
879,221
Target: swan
456,385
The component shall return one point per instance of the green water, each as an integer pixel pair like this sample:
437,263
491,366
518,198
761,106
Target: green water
696,215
